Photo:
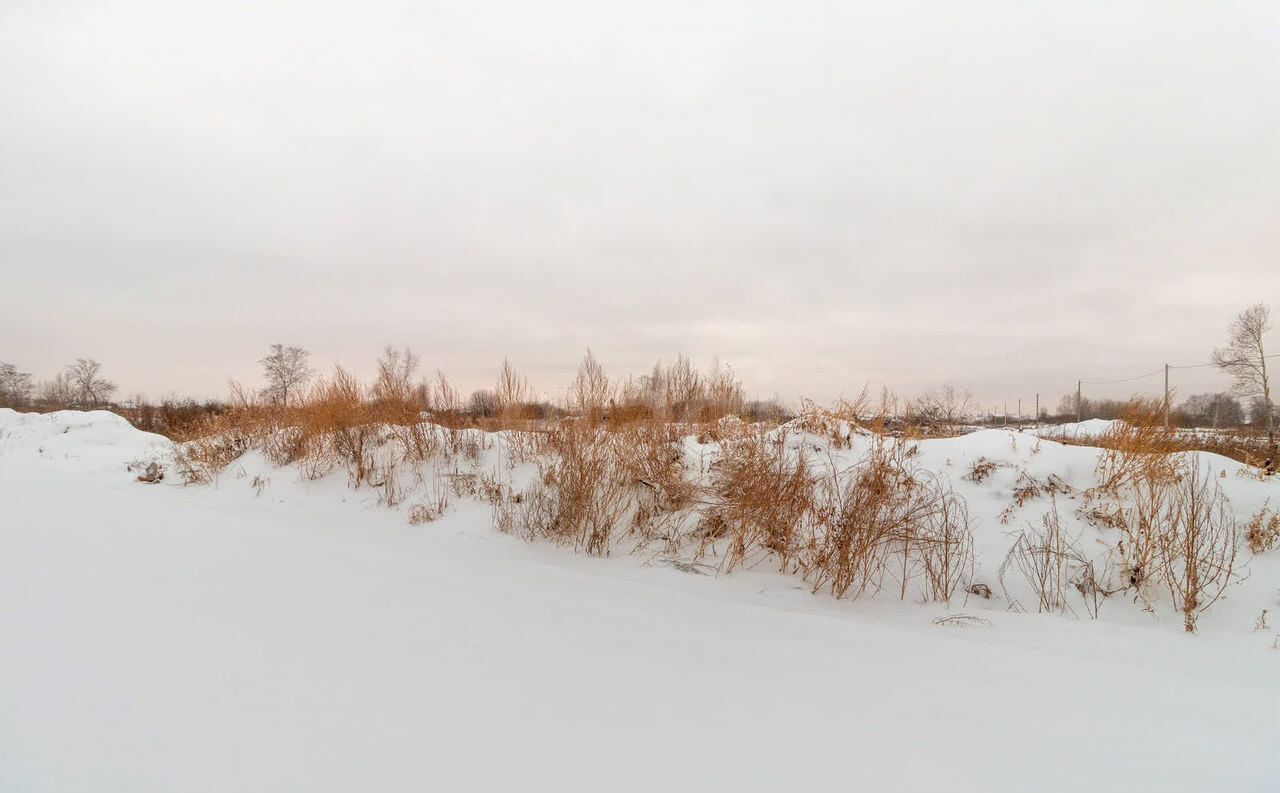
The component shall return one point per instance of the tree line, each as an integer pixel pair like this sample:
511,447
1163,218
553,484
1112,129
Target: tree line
287,373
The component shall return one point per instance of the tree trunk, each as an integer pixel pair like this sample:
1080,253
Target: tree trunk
1266,399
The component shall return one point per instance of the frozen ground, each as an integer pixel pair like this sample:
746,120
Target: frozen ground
162,638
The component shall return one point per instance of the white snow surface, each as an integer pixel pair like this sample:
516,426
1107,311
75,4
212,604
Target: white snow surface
1089,428
293,635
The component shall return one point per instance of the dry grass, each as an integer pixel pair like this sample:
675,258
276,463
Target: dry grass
1262,533
1145,431
617,465
669,461
580,497
760,497
1053,565
885,523
1198,545
1176,530
981,469
1139,448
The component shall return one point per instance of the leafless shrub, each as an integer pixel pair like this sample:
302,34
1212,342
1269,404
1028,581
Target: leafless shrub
1262,533
1198,551
1141,531
1052,564
397,402
590,393
941,411
944,544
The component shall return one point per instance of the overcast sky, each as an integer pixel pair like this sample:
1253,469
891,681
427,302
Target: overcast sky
1009,196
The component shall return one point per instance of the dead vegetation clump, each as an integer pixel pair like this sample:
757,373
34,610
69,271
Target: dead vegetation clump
760,497
617,462
579,498
428,511
1262,533
940,412
1139,447
1028,488
981,469
1198,545
1176,529
650,457
210,443
1053,565
1177,533
885,523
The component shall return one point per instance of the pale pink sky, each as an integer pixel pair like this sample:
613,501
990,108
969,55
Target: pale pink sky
1006,195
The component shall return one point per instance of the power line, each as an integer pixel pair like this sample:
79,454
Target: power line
1123,380
1156,372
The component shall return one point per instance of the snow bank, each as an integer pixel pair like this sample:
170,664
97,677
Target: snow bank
279,633
74,439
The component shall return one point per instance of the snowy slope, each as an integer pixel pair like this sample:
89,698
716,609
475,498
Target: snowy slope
293,636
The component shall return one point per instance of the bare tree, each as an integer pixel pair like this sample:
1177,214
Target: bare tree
55,393
1245,359
1212,410
395,383
512,391
482,404
286,372
15,386
944,409
590,391
88,389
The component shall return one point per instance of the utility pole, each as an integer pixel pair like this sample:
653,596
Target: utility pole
1019,411
1166,396
1077,401
1037,410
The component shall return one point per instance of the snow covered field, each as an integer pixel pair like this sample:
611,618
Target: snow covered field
293,636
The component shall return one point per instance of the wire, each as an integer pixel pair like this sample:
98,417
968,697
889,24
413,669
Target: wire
1123,380
1158,371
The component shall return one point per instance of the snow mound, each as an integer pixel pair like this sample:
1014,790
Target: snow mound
84,440
1090,428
